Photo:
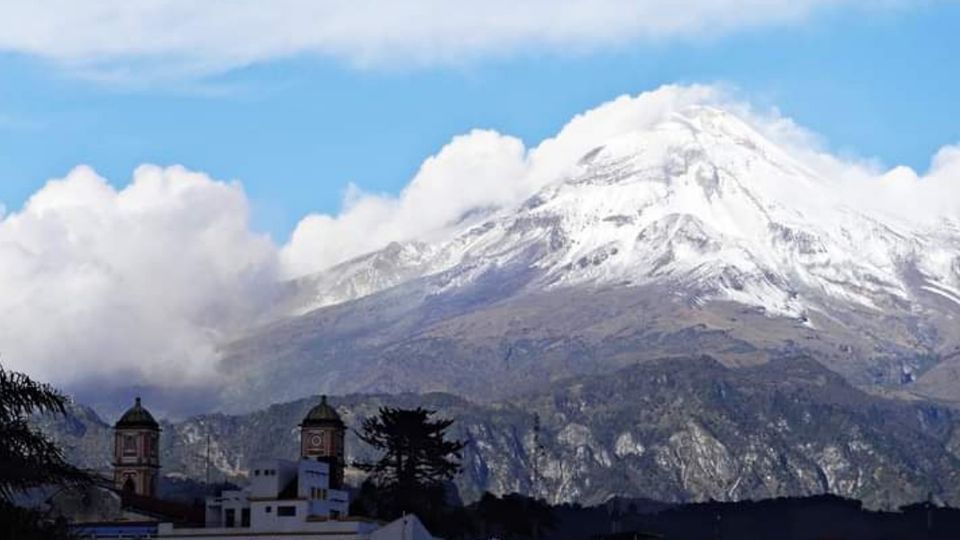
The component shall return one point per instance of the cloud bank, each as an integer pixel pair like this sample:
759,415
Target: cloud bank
189,37
136,285
144,283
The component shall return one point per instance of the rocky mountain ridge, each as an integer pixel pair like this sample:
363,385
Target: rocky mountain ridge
685,429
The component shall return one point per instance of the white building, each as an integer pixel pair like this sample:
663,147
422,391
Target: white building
405,528
290,500
296,500
280,493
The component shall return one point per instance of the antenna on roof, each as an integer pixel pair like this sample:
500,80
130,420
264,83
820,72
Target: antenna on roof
537,448
207,459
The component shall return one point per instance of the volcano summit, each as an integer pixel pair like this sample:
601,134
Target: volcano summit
688,233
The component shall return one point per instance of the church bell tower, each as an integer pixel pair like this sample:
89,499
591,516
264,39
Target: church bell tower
322,439
136,452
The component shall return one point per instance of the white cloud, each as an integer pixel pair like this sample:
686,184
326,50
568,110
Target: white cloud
136,285
904,193
120,38
477,170
487,169
898,192
482,169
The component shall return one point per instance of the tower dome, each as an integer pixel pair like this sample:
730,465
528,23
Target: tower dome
136,452
322,415
322,438
137,417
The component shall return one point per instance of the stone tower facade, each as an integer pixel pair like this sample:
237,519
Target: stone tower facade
136,451
322,438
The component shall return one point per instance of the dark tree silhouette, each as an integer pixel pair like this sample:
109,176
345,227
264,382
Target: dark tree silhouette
28,459
416,464
514,516
24,524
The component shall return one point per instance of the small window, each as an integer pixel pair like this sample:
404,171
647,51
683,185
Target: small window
269,510
129,445
256,472
230,517
245,517
286,511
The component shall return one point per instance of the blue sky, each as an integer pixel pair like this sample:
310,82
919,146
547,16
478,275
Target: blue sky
296,129
298,99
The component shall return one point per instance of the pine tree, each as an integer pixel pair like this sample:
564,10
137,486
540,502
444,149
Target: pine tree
416,463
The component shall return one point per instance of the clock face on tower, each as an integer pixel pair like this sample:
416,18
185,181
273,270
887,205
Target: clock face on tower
316,441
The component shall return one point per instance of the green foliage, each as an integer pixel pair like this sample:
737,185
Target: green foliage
417,463
416,453
28,459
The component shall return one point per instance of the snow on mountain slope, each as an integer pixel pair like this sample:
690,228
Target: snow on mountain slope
641,231
699,201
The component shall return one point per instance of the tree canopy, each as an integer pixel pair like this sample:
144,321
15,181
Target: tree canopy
417,460
415,450
28,459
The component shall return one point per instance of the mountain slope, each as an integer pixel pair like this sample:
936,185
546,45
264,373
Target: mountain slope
700,198
683,429
694,236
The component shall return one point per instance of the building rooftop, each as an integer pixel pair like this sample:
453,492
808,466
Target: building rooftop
137,417
322,415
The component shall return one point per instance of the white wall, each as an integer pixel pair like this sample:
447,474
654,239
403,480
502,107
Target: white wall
262,520
313,474
269,477
324,530
217,507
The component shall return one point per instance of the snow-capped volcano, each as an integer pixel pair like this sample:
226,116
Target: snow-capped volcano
692,234
700,201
